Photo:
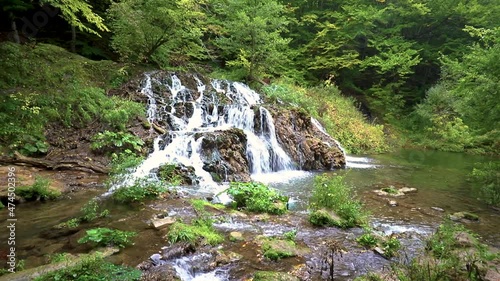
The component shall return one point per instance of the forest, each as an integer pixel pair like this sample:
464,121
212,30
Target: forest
427,70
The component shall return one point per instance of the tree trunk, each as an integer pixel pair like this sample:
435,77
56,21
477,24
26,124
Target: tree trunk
73,39
14,31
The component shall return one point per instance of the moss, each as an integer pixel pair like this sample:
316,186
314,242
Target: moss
273,276
276,249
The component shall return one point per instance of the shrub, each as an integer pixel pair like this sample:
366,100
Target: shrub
486,177
200,229
108,237
290,235
95,269
139,191
368,240
112,140
40,190
91,211
257,197
333,194
124,161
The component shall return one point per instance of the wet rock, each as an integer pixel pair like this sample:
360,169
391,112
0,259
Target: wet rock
177,250
224,155
304,142
178,174
459,216
276,249
437,209
379,251
164,272
406,190
273,276
236,236
223,258
161,223
392,203
464,239
325,217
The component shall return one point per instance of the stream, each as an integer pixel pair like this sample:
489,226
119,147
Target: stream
441,180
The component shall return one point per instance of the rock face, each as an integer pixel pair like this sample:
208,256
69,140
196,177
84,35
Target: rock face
224,155
225,131
307,145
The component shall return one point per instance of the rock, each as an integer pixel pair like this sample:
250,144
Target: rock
392,203
238,214
464,239
236,236
177,250
379,251
458,216
493,274
437,209
408,190
178,173
162,223
164,272
223,258
325,217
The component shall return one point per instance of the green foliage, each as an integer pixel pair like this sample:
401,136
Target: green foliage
140,191
338,114
44,84
169,173
390,190
368,240
200,230
165,32
91,211
112,140
391,246
251,39
257,197
124,161
290,235
40,190
333,194
95,269
73,11
108,237
58,257
486,176
447,257
369,277
71,223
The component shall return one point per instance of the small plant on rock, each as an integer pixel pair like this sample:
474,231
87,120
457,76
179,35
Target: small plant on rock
139,191
40,190
257,197
108,237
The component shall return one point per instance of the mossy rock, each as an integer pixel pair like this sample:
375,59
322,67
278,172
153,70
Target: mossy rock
273,276
275,249
464,215
324,217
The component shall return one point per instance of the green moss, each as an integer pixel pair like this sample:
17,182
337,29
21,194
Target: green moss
273,276
390,190
200,230
276,249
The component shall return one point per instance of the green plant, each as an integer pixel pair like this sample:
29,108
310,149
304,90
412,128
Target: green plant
331,193
290,235
71,223
257,197
368,240
486,176
58,257
124,161
112,140
91,211
139,191
40,190
391,246
93,268
168,173
200,229
390,190
105,237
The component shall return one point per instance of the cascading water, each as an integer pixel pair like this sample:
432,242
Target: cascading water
222,106
351,161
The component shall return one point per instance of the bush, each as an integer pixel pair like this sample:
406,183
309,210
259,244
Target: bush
40,190
139,191
112,140
93,269
486,177
368,240
257,197
338,114
108,237
91,211
124,161
200,229
331,193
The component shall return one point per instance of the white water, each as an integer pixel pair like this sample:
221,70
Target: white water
183,268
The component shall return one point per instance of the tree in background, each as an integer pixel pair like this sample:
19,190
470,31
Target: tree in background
166,32
13,7
251,40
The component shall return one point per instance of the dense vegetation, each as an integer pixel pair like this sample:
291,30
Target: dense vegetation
425,69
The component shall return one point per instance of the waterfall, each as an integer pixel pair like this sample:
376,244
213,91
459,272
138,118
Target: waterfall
217,106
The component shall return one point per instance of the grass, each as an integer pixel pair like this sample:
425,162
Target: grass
201,230
339,115
108,237
39,190
332,194
257,197
140,191
42,84
93,268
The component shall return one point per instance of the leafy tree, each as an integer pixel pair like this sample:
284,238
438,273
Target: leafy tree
165,32
12,7
252,40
